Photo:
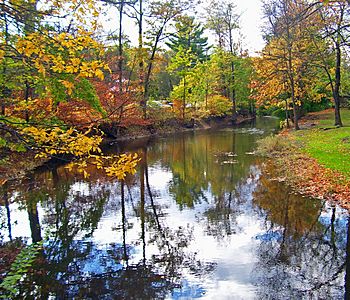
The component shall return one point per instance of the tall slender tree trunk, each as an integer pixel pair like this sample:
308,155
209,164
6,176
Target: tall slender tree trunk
295,111
287,117
29,27
27,97
149,71
292,83
206,94
120,45
141,64
232,83
120,61
4,90
337,82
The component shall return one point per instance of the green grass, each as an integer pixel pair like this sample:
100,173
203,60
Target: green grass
331,147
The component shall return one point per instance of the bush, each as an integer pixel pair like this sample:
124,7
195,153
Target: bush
311,106
279,113
275,145
219,105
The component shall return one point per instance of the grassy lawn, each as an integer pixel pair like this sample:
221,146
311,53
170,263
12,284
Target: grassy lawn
330,147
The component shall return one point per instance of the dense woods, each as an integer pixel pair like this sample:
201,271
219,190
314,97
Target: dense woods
72,79
66,80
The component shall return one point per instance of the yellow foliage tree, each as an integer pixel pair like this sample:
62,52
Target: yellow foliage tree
56,65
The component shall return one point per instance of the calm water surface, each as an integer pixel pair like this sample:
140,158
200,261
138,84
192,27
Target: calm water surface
202,218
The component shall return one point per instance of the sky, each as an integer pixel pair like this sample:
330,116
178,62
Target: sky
250,23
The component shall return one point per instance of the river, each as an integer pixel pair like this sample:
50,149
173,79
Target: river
203,217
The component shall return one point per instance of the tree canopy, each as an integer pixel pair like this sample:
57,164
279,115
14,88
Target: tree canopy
62,81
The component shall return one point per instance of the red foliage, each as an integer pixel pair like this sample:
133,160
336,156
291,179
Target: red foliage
123,108
77,113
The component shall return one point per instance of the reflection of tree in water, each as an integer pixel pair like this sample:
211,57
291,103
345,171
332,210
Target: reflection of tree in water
186,194
222,216
172,243
74,265
208,170
221,219
302,253
5,214
203,164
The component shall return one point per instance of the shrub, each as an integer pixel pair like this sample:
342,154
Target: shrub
275,145
219,105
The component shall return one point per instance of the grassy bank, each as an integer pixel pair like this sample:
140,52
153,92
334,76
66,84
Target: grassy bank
329,145
315,161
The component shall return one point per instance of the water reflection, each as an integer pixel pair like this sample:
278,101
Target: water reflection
201,218
303,252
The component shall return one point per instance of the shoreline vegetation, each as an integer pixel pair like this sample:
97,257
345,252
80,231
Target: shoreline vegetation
17,164
314,161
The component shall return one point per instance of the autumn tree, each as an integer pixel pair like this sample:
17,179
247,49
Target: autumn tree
182,63
243,74
223,20
121,6
286,45
335,25
160,15
269,85
206,84
57,67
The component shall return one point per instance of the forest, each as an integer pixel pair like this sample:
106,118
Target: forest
67,83
83,81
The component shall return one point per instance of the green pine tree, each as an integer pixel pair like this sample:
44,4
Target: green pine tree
189,36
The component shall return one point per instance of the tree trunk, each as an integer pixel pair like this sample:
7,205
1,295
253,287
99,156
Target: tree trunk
4,90
292,86
232,83
287,118
141,65
149,71
27,96
206,95
120,42
337,83
295,111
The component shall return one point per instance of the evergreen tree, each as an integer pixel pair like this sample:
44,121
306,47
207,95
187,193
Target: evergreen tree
189,36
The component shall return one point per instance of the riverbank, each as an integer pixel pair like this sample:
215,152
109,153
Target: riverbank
171,126
15,165
314,161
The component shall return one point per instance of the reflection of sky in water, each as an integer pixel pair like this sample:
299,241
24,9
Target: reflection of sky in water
228,246
188,291
340,224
